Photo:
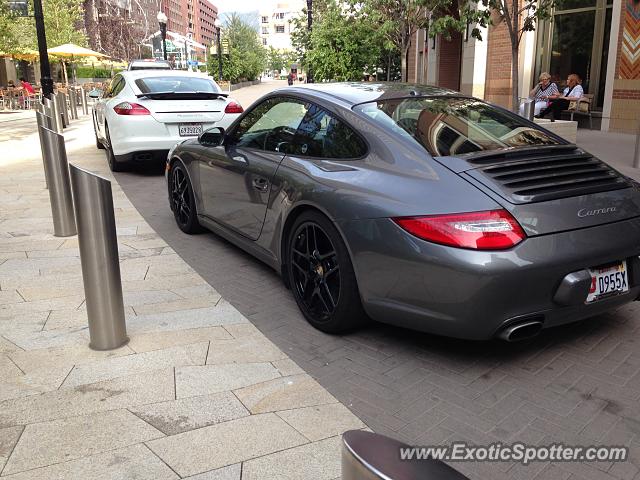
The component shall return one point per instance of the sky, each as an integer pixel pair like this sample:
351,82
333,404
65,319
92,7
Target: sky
226,6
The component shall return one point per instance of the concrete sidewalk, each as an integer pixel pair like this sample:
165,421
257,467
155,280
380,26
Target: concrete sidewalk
198,392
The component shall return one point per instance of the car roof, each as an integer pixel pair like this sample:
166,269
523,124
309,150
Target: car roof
136,74
364,92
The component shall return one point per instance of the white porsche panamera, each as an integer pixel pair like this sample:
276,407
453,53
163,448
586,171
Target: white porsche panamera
142,114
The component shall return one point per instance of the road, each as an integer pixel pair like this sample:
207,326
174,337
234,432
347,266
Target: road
579,384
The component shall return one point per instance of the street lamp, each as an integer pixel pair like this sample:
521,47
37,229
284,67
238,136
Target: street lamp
162,20
309,27
218,26
45,70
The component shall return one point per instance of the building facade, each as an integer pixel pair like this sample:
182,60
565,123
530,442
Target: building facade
597,39
275,24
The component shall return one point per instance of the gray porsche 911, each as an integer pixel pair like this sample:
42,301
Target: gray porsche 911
414,206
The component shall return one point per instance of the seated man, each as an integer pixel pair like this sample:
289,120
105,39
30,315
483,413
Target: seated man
573,91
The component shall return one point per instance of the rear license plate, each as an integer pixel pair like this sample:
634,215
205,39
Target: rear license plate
608,281
189,129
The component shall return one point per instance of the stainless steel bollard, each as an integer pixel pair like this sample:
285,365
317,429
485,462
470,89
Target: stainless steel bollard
369,456
57,174
73,103
99,258
529,109
43,121
54,105
83,99
61,104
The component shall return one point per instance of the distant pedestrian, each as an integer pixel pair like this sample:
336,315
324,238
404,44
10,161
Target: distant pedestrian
27,87
542,94
290,79
573,92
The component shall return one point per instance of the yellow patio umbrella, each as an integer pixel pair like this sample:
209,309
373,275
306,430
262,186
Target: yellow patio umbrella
72,50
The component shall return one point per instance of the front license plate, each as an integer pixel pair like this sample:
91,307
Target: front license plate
189,129
608,281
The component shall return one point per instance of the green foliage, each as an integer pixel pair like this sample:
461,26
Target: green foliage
90,72
61,17
280,60
344,43
247,58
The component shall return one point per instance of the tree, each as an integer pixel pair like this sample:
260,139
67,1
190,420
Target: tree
399,21
247,58
279,60
519,16
344,42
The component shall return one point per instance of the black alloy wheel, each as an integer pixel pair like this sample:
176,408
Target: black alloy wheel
182,199
321,275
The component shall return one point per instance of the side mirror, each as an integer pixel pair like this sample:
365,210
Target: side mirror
211,137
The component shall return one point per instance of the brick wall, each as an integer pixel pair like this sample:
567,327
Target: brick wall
411,61
625,105
498,81
449,65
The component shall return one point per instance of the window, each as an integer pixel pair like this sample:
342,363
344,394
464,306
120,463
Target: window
321,135
271,125
279,28
265,19
280,15
265,30
264,41
453,126
176,84
117,84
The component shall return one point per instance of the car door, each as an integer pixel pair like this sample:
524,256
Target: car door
115,87
235,178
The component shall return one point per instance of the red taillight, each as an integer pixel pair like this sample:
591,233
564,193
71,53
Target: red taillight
488,230
233,107
128,108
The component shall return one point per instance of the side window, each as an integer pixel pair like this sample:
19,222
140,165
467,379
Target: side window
322,135
118,87
271,126
114,87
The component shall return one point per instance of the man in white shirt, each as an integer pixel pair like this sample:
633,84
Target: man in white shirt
573,92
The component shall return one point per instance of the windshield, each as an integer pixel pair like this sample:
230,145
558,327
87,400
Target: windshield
173,84
454,126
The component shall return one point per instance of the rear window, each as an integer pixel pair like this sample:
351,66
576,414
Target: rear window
454,126
175,84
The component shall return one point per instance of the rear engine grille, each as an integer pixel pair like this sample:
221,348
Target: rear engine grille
542,178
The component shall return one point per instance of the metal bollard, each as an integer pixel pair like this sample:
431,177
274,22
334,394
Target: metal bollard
43,121
61,105
83,99
99,258
73,103
529,109
57,174
369,456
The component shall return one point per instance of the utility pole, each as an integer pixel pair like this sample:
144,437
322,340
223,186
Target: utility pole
218,26
45,68
309,28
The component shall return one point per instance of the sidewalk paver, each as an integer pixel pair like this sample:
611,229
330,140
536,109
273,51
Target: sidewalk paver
196,391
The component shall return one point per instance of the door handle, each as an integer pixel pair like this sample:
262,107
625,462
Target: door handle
260,183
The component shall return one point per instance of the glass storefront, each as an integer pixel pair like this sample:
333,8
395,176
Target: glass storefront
576,40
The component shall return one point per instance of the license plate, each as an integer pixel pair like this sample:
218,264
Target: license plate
608,281
189,129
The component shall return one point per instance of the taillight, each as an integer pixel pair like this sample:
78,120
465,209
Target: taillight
487,230
233,107
128,108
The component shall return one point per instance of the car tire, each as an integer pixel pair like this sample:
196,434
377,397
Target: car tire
321,275
182,200
99,144
114,165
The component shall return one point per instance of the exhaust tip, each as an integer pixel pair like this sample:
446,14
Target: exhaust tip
521,331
